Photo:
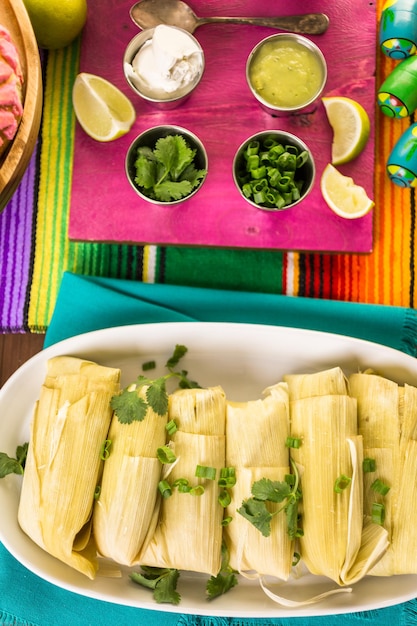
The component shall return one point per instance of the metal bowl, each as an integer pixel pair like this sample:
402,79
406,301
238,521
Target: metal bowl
306,173
159,100
149,138
306,86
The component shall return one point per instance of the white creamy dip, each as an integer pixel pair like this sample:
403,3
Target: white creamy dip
167,64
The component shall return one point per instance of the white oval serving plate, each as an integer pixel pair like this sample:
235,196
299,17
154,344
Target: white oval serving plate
244,359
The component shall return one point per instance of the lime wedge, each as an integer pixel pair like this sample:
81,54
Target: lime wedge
351,128
102,110
342,195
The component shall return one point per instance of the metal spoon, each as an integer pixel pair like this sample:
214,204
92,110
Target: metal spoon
150,13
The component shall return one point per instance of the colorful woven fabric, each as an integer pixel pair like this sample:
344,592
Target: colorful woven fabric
35,250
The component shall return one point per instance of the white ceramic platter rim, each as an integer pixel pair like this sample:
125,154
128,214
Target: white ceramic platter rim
244,359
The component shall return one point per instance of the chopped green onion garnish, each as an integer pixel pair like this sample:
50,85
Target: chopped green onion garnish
369,465
184,487
203,471
253,147
97,492
378,513
380,487
105,450
165,455
227,477
180,482
270,162
293,442
198,490
296,559
149,365
226,521
165,488
171,427
224,498
342,482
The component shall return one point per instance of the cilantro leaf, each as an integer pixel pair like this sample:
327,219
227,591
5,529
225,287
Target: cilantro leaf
291,511
147,152
172,190
179,352
192,174
225,579
272,490
168,171
166,151
187,383
257,514
174,153
165,590
21,454
157,396
9,465
220,584
265,490
129,406
184,382
163,582
146,172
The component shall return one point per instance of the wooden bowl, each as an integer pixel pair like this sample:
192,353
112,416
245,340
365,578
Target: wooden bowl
13,164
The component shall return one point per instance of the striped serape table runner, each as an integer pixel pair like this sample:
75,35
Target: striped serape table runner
35,249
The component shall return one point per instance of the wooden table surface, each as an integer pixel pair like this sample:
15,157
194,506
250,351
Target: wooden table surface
15,350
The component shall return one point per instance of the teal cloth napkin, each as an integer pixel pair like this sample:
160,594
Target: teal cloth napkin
87,303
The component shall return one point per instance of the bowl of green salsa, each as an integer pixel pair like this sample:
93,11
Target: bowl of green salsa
286,73
274,170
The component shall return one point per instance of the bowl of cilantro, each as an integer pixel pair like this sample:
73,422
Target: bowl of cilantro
166,165
274,170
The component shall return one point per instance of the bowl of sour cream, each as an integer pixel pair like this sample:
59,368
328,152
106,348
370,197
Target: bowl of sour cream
163,65
286,73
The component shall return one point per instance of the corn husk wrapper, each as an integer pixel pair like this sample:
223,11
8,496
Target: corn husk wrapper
63,467
336,542
199,411
404,536
126,510
387,417
329,382
256,432
189,531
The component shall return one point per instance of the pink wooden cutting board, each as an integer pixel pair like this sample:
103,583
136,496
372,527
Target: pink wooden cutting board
223,114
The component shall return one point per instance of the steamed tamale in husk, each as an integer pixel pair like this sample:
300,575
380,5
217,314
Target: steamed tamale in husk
189,531
337,541
256,433
69,426
126,508
387,417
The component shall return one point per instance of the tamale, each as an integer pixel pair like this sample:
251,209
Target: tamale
256,433
125,508
404,536
387,417
189,531
330,459
63,467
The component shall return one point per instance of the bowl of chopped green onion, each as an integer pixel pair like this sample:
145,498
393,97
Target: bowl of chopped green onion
274,170
166,165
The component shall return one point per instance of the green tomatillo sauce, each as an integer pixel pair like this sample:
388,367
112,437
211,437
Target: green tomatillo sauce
285,74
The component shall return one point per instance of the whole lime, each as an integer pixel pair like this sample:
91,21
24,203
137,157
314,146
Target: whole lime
56,23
